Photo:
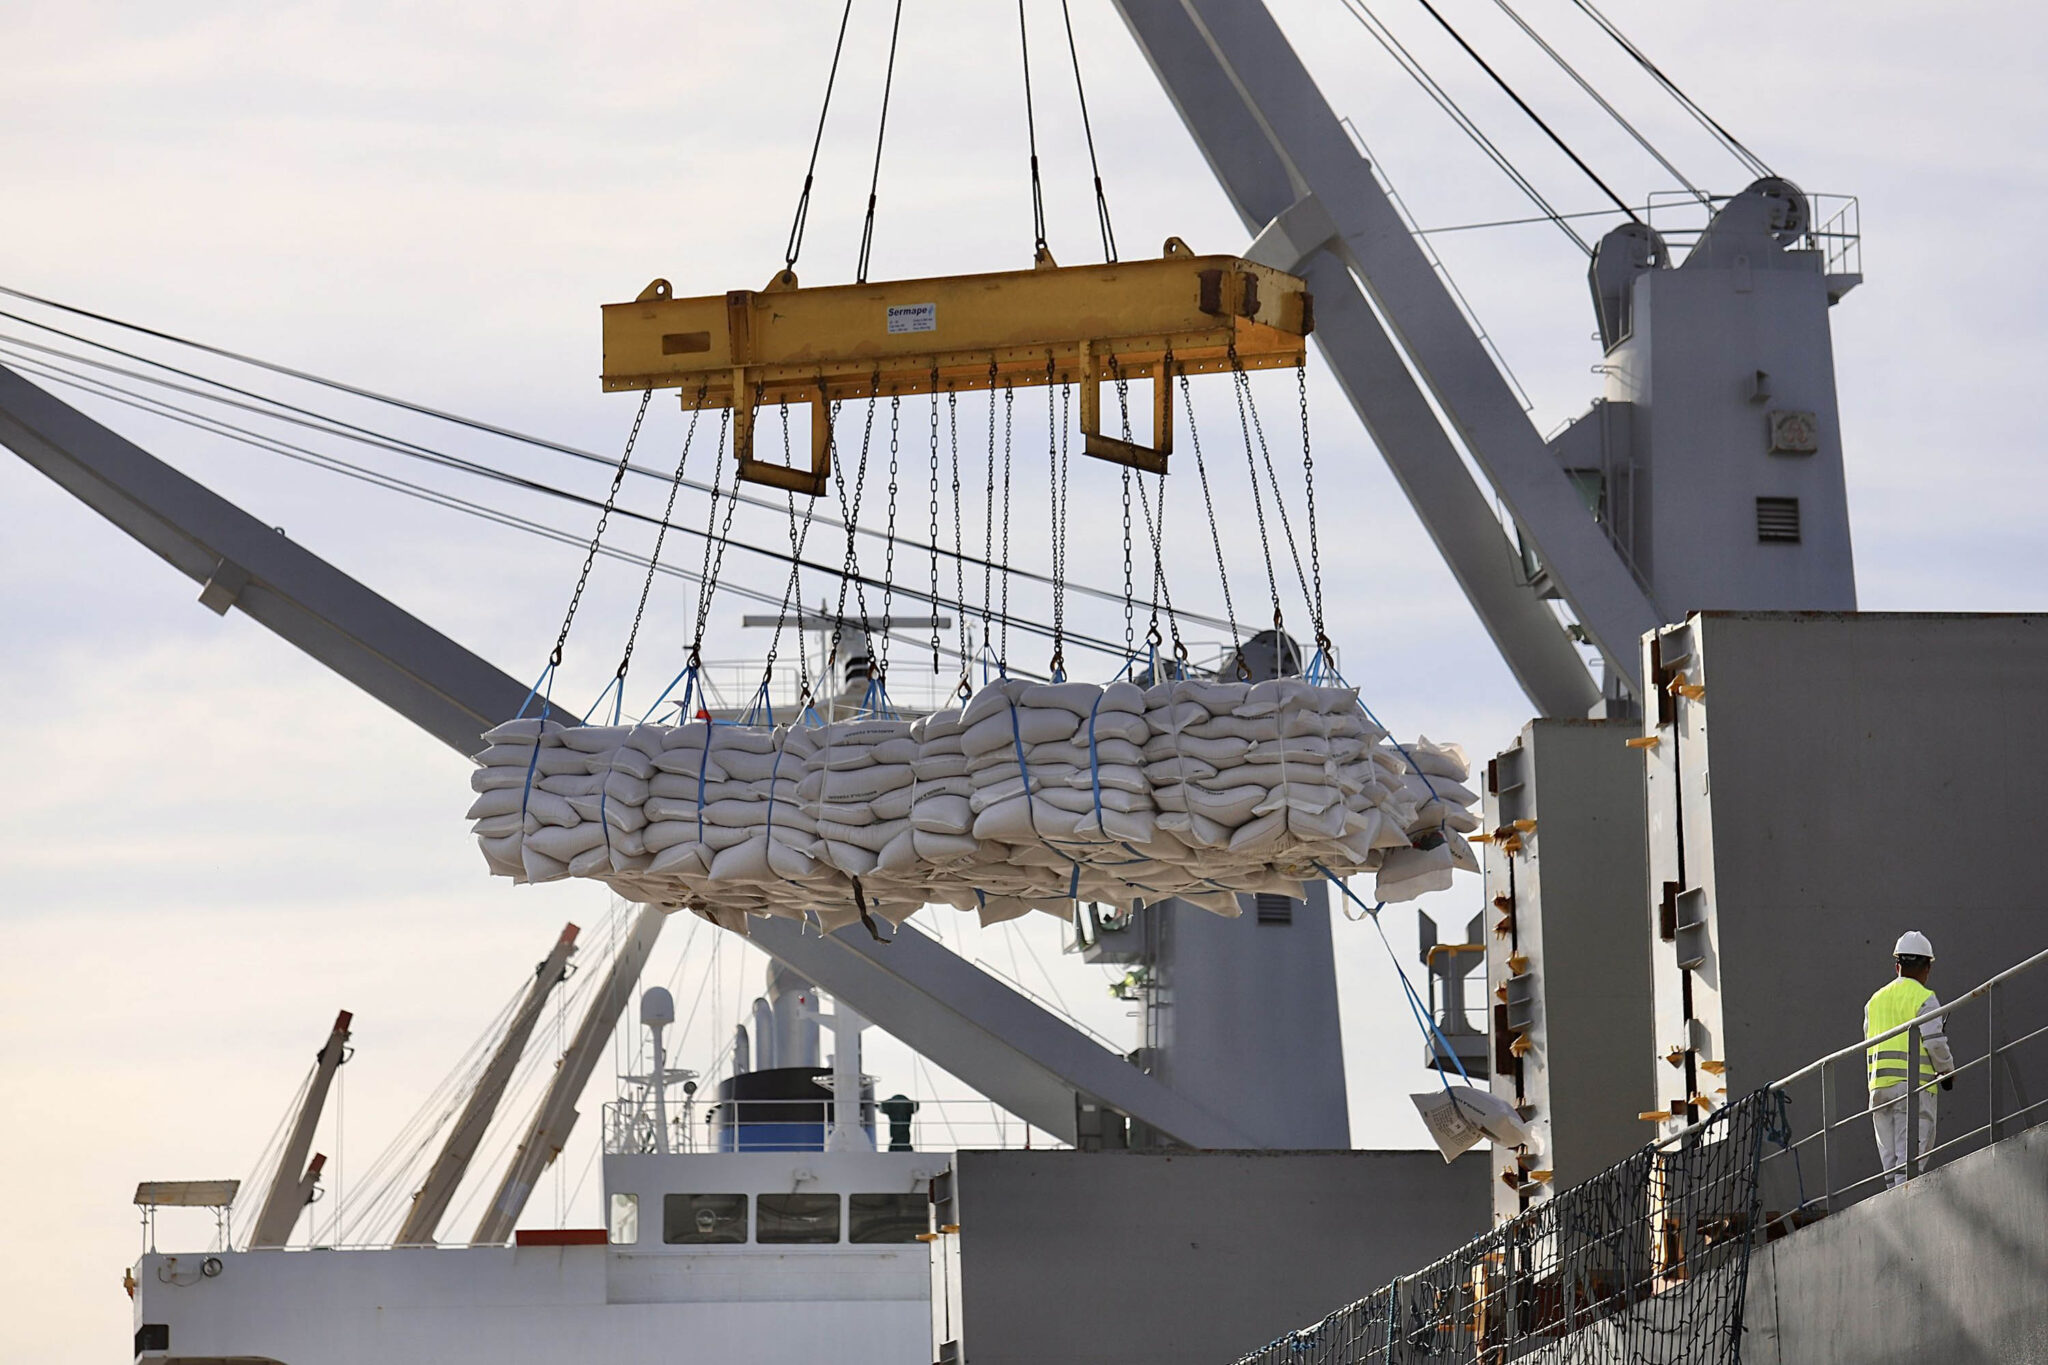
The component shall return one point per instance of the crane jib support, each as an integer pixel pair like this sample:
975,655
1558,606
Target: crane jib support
1011,329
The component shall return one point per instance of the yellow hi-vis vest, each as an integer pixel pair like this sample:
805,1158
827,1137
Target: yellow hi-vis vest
1896,1004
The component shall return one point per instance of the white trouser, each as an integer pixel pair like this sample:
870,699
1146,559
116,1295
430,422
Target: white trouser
1888,1112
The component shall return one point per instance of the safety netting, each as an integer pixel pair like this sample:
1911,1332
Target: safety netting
1647,1263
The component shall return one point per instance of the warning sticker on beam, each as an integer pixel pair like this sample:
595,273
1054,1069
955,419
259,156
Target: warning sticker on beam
914,317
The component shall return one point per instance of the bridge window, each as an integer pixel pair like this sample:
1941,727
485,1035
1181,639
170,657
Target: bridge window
625,1220
887,1217
704,1219
798,1218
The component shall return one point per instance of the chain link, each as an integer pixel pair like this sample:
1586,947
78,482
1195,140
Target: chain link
1009,409
959,530
603,520
798,537
660,537
988,517
1209,502
880,650
1238,386
1130,631
850,515
1056,492
708,589
1258,431
934,540
1315,553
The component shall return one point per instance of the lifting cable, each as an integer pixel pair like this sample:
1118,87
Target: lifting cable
867,232
335,426
1384,36
988,516
850,514
1246,421
1088,132
1056,477
714,546
934,398
604,518
451,502
1315,552
1727,139
1601,100
881,674
1156,530
1215,536
1003,618
1312,597
654,559
803,200
1523,105
799,535
1039,250
959,527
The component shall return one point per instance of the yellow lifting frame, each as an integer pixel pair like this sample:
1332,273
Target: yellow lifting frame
1051,325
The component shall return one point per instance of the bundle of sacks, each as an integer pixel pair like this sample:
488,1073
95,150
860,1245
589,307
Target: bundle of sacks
1030,796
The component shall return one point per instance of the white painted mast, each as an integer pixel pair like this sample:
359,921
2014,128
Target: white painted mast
847,1134
557,1114
291,1191
430,1201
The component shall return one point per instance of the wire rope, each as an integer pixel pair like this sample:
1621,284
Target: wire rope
867,232
398,445
334,464
1384,36
1523,105
1601,100
1088,132
803,200
1039,250
1749,159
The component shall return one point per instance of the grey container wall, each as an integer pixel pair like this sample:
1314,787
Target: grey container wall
1151,1258
1843,778
1571,897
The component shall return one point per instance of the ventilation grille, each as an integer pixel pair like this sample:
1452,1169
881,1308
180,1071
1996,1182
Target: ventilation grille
1275,908
1777,519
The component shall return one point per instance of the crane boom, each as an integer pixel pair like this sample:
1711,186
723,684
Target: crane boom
289,1189
557,1112
1300,184
992,1037
430,1203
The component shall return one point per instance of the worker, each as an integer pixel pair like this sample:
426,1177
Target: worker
1905,999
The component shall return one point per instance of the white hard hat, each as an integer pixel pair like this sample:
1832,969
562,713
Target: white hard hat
1913,943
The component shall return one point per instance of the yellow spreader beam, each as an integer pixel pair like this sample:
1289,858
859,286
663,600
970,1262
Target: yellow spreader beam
1053,325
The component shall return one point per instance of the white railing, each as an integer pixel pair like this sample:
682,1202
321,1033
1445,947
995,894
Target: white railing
935,1125
1849,1165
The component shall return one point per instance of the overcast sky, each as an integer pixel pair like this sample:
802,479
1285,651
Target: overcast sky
210,843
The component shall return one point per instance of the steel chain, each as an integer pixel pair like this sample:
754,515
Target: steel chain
1238,386
934,541
603,520
850,515
1209,502
660,537
959,531
1273,477
1009,411
1315,554
881,651
710,584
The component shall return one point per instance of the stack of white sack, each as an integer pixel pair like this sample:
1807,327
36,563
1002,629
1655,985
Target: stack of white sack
1030,796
